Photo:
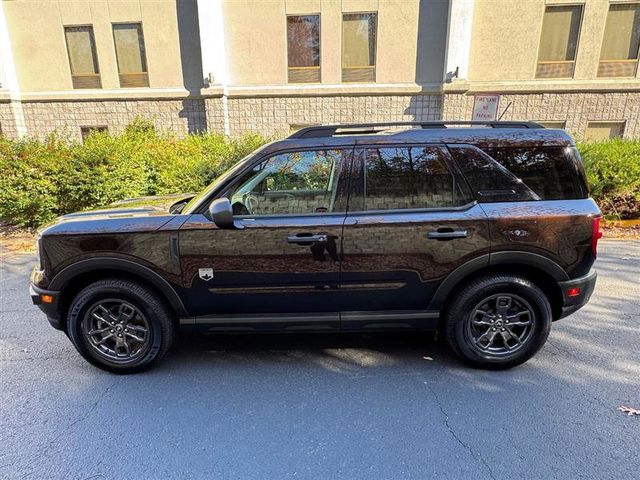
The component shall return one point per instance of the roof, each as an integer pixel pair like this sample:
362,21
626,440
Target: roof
481,134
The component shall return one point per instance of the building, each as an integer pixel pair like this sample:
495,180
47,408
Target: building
276,65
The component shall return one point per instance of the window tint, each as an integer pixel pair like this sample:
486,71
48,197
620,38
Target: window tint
408,177
489,180
290,183
548,171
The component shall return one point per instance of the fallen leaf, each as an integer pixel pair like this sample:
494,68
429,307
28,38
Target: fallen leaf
629,411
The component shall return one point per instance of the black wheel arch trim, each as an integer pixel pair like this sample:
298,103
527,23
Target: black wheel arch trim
530,259
66,275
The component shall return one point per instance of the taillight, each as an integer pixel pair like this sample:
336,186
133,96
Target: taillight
595,236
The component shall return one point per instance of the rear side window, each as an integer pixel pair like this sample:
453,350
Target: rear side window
549,171
490,181
408,178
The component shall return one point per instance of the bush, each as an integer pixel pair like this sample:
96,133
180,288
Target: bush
613,173
41,180
44,179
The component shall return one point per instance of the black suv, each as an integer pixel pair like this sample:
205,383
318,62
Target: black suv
485,231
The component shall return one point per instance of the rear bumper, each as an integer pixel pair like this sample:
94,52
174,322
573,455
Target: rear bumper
586,285
51,310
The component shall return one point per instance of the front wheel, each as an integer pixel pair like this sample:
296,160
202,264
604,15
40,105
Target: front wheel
119,326
498,321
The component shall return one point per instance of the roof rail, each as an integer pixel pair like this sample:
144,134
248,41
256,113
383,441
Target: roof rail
331,130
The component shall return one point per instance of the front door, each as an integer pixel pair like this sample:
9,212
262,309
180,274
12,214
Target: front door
283,266
411,222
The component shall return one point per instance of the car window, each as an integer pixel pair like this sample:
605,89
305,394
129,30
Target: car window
300,182
488,179
408,178
548,171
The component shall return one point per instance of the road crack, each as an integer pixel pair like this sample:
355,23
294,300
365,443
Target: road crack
452,432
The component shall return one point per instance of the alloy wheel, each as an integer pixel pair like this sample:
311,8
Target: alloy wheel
500,325
117,330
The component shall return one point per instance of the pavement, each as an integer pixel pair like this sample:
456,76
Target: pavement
326,407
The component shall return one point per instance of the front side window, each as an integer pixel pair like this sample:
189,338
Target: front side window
83,60
303,182
621,42
359,32
407,178
130,54
559,41
303,48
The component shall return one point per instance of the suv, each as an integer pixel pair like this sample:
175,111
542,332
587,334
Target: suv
484,231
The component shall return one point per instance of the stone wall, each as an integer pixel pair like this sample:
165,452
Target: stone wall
178,116
576,109
276,115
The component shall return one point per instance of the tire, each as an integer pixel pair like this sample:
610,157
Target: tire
134,327
486,330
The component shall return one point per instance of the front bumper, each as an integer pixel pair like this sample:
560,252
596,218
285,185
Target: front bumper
574,303
50,309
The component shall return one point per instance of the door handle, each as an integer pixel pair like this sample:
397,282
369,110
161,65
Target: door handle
307,238
446,234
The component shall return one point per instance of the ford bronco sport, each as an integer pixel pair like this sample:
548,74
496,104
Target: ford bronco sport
484,231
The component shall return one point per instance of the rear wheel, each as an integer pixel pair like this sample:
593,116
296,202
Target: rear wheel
120,326
498,321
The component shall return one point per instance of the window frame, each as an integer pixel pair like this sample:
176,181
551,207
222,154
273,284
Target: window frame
342,180
143,55
319,67
546,6
94,51
358,181
616,122
342,44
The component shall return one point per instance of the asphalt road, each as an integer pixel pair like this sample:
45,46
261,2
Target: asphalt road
277,407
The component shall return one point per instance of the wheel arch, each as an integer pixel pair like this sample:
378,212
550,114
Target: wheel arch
542,271
75,277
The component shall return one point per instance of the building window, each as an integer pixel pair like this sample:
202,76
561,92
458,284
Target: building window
598,131
559,41
303,48
619,53
130,54
359,47
86,132
83,60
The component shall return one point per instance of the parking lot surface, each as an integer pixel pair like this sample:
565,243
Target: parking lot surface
374,406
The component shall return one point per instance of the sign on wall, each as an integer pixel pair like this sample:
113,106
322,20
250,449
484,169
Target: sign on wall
485,107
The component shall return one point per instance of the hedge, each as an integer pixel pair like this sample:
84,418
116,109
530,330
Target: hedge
40,180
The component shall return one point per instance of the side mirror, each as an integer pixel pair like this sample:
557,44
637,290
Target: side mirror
222,214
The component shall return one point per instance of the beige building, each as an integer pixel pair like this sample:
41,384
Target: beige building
275,65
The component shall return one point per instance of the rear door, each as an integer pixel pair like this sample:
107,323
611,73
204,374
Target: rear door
411,222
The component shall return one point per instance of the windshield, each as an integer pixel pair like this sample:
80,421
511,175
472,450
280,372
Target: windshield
195,201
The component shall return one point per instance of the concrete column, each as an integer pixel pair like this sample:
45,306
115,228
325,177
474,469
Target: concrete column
9,87
458,40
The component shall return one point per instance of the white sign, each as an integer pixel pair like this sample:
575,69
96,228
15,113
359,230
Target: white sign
485,108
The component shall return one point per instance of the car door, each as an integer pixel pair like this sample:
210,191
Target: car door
411,222
281,270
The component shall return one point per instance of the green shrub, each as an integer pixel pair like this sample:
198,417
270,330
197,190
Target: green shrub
41,180
613,173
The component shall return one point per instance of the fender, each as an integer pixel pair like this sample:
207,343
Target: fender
99,263
529,259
